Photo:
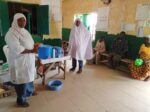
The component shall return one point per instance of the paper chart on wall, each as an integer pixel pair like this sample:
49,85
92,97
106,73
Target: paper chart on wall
143,11
102,26
128,27
140,32
54,8
147,23
102,20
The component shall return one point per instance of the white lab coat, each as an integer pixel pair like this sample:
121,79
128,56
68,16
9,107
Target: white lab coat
22,66
80,43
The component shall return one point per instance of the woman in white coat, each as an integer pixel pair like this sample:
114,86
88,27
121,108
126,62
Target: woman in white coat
80,45
21,59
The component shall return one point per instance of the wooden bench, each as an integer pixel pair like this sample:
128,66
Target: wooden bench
127,61
121,67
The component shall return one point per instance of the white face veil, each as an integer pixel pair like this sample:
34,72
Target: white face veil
15,20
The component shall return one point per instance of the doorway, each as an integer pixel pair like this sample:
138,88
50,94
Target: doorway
89,20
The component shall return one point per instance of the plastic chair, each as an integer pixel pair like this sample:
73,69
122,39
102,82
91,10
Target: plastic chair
4,74
6,52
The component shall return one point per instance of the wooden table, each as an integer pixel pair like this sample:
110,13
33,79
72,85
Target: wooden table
47,64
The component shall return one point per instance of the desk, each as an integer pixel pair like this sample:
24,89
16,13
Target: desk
47,65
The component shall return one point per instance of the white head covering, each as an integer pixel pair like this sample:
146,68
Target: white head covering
81,25
80,42
21,32
15,20
78,20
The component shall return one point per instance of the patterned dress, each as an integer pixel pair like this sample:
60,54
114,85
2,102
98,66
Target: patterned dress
143,71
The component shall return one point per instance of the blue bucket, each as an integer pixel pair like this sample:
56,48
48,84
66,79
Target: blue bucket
55,85
44,51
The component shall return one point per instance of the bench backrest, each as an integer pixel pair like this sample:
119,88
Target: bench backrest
134,44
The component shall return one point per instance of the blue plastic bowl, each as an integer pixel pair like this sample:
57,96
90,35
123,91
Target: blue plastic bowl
55,85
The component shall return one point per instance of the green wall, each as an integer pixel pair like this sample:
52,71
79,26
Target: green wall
36,38
52,42
134,42
2,43
4,18
65,34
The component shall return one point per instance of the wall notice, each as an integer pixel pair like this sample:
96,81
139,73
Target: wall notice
143,11
102,21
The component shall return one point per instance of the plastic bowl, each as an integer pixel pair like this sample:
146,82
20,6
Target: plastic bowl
138,62
55,85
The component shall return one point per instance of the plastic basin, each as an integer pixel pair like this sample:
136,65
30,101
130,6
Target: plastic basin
55,85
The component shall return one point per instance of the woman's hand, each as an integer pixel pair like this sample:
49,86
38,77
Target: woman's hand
36,45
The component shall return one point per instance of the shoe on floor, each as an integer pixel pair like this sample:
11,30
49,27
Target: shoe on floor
72,69
25,104
79,71
34,93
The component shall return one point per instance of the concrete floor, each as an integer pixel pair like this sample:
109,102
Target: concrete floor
97,89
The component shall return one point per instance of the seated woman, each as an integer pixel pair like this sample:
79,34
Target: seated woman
142,72
119,50
100,48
